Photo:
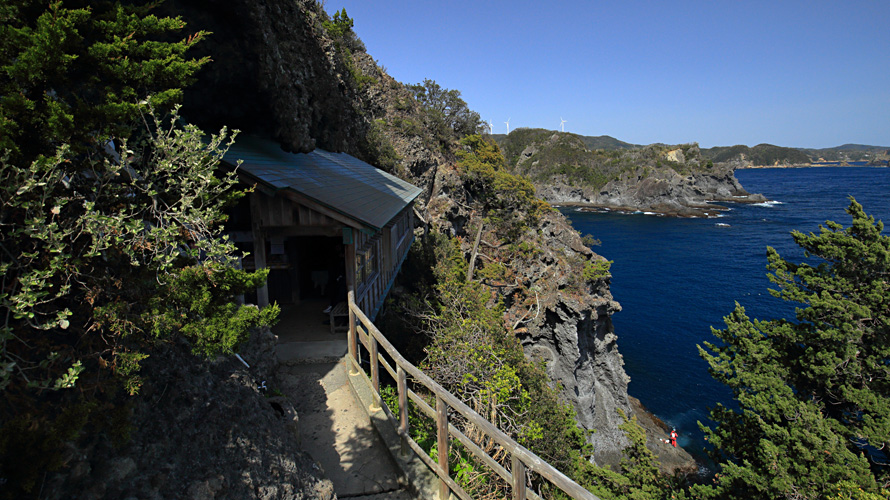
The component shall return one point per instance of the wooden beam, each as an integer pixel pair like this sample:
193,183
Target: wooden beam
318,207
375,364
286,231
518,472
259,247
402,382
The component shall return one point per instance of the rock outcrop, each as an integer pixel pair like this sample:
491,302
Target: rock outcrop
663,191
273,72
574,334
673,180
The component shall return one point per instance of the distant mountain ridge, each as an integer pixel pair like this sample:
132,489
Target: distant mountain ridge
605,142
771,155
850,152
761,154
740,155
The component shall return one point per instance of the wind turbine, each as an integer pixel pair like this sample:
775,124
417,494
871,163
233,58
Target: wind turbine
508,125
490,127
562,124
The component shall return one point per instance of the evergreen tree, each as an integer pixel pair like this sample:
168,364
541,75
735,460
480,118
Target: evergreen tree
109,223
77,72
813,394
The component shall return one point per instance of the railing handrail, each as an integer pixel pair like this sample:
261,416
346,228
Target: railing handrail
516,450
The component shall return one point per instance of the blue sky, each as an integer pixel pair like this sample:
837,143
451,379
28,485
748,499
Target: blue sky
793,73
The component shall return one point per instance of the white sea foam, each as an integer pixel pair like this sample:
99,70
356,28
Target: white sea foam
720,224
768,204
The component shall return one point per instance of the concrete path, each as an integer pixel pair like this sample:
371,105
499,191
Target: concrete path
338,433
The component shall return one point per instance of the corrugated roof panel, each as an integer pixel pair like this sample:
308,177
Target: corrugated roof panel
336,180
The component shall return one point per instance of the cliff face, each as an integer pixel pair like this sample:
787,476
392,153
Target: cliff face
273,73
574,334
300,89
557,316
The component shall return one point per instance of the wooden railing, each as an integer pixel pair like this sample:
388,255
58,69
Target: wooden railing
372,293
362,329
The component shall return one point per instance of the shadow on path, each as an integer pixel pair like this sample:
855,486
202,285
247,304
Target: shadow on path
337,432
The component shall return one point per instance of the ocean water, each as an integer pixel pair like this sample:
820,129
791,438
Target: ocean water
676,278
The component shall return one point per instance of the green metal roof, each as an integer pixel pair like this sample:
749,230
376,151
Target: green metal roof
337,180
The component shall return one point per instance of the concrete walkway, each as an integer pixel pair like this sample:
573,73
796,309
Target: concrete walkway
337,432
304,336
334,427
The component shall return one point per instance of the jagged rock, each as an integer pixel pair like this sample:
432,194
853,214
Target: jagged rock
273,72
664,191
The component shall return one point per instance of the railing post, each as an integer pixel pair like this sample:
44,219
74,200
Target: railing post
352,337
442,444
403,408
375,362
518,472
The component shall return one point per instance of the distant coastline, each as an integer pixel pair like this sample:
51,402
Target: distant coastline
708,209
823,164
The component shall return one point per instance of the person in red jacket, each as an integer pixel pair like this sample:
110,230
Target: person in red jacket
674,437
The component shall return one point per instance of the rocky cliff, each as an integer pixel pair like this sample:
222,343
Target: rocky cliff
663,191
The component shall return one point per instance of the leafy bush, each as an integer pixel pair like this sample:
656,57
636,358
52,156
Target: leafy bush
378,149
339,28
590,241
596,269
109,223
509,200
446,116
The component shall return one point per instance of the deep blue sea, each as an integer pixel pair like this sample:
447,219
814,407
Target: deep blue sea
676,277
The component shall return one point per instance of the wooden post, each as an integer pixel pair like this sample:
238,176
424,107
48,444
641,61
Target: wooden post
442,444
403,408
352,336
518,473
375,363
259,246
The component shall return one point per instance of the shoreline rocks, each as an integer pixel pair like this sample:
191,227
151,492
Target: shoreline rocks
671,460
664,192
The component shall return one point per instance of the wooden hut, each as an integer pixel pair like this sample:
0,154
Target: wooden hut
314,217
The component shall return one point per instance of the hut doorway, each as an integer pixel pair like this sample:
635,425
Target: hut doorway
321,268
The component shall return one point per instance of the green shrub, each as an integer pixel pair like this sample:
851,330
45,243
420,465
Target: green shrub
596,269
509,200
